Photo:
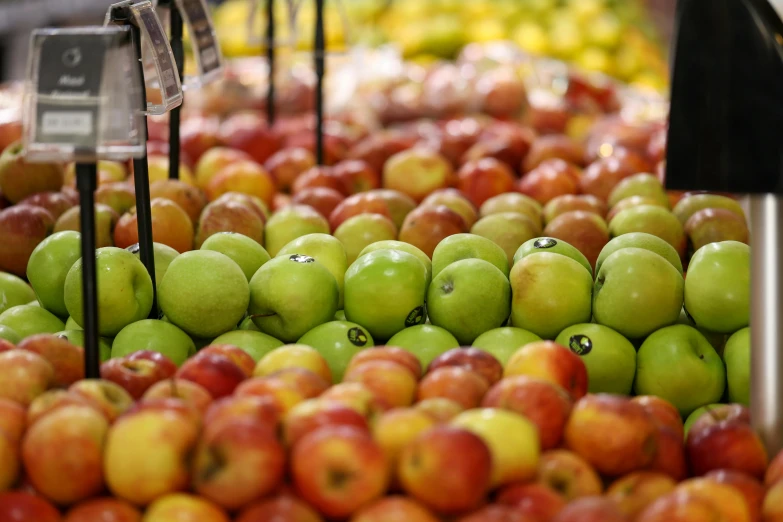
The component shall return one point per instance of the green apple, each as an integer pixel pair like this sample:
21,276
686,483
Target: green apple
291,295
689,205
636,292
678,364
469,297
640,240
155,335
338,342
385,292
27,320
325,249
651,219
425,341
204,292
244,251
548,293
468,246
9,334
14,291
357,232
404,247
554,246
248,324
508,230
643,184
124,290
292,222
609,357
162,254
77,337
698,412
717,289
71,324
504,341
49,264
736,355
257,344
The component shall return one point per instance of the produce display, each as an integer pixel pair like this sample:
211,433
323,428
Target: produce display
482,307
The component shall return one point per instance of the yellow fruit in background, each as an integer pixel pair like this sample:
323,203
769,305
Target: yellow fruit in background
486,30
541,5
604,31
565,37
532,38
649,80
627,62
594,59
586,9
579,126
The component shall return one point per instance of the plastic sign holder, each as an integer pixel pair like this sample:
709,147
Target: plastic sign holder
206,50
82,104
319,52
725,136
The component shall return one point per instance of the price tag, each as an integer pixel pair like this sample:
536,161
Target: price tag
206,49
83,102
158,51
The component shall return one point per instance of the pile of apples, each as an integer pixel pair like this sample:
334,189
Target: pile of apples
464,438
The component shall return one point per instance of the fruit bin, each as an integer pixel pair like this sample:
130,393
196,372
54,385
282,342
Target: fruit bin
467,314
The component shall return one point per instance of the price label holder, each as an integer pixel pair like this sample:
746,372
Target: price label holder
206,49
160,67
82,103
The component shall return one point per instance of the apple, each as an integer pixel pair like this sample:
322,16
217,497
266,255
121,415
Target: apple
513,202
138,371
533,500
751,488
713,225
204,293
392,383
640,240
549,292
293,356
245,176
291,223
736,356
337,342
14,291
24,375
323,199
256,344
473,359
398,427
62,453
646,185
609,357
509,230
228,214
512,459
8,338
693,203
212,160
663,413
20,179
424,461
189,198
244,251
544,403
155,335
635,491
637,292
633,201
679,506
568,474
260,409
48,265
160,436
238,462
355,175
727,444
31,319
726,310
603,175
404,247
771,509
632,445
552,362
23,226
216,372
283,507
338,470
385,292
358,204
325,249
651,219
550,179
106,220
55,202
456,201
440,409
570,202
357,396
77,337
459,384
551,245
468,246
287,164
357,232
586,231
425,341
288,311
398,203
191,393
107,396
591,509
483,179
417,172
313,414
124,290
66,359
103,509
171,226
669,456
23,505
469,297
183,506
49,401
729,502
504,341
13,419
678,364
391,508
316,176
163,256
425,227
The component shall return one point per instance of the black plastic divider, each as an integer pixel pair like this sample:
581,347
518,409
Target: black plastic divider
87,182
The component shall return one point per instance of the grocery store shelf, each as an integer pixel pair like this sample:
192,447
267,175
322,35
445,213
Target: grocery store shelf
27,14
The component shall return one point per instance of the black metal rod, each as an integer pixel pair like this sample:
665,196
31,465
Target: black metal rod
319,53
270,59
87,182
141,181
175,26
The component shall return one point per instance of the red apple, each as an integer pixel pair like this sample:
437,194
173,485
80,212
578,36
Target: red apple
288,164
663,412
376,148
263,410
550,179
310,415
568,474
601,176
357,396
669,453
586,231
172,404
459,384
545,404
456,201
388,353
535,500
426,226
712,225
109,397
448,453
680,506
474,359
197,135
497,513
286,508
237,355
55,202
189,391
20,506
51,400
138,371
418,172
552,362
728,500
727,444
751,488
392,383
189,198
400,205
553,146
217,373
12,419
356,176
307,382
338,469
103,509
249,133
591,509
392,509
67,359
483,179
323,199
362,203
24,375
635,491
317,176
22,227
